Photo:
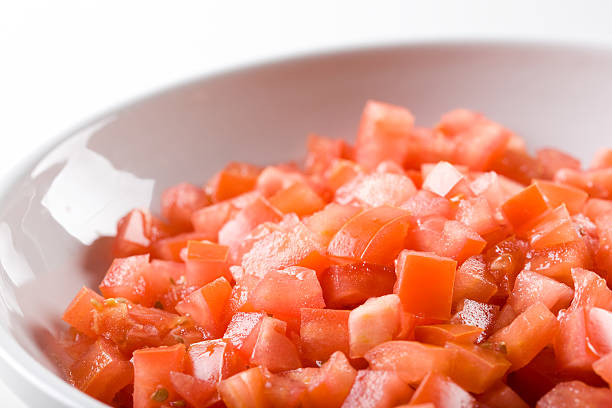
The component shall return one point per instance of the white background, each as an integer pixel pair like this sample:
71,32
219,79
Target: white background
64,61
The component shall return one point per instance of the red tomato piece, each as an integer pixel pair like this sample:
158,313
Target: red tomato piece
273,349
458,121
460,242
602,159
553,160
284,391
442,179
476,368
327,222
242,331
595,207
375,190
439,334
517,165
477,314
476,213
552,229
531,287
332,385
556,194
377,389
195,392
502,396
298,198
235,179
180,201
170,248
246,219
576,394
323,332
473,281
322,152
152,367
352,284
206,306
205,261
495,188
410,359
136,232
523,208
425,204
527,335
245,389
383,134
603,368
80,312
480,145
125,279
373,323
102,371
590,290
557,262
442,392
211,361
425,283
599,330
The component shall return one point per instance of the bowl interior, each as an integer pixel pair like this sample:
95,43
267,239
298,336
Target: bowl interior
57,214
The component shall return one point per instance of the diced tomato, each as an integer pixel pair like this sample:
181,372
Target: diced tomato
576,394
170,248
473,281
598,183
552,160
599,330
595,207
332,385
375,235
136,232
125,279
590,290
425,283
442,179
502,396
80,312
235,179
476,213
477,314
285,292
273,349
476,368
211,361
505,260
377,389
603,255
556,194
383,133
495,188
195,392
527,335
298,198
342,172
531,287
459,241
152,367
375,190
523,208
352,284
552,229
535,379
327,222
284,391
206,306
602,159
458,121
517,165
279,249
276,178
180,201
603,368
205,261
439,334
373,323
480,145
102,371
244,390
322,152
410,359
557,262
323,332
442,392
242,331
425,204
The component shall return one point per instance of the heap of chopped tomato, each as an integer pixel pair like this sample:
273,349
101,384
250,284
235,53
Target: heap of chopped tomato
442,267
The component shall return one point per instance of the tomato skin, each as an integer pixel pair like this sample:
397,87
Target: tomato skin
299,198
235,179
425,283
152,369
523,208
476,368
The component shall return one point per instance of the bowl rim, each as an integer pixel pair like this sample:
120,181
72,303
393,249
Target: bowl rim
19,362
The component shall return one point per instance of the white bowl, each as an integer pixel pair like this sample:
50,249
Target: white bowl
58,209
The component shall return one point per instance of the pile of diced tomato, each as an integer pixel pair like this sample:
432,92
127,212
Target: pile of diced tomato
431,267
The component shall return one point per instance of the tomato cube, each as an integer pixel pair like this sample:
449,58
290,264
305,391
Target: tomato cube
476,213
152,367
590,290
211,361
352,284
377,389
410,359
442,179
557,262
473,281
195,392
170,248
603,368
531,287
527,335
136,232
576,394
552,229
425,283
245,389
477,314
332,385
476,368
273,349
323,332
327,222
552,160
424,204
180,201
299,198
439,334
206,306
233,180
599,330
243,222
375,190
442,392
80,312
242,331
556,194
383,134
502,396
523,208
373,323
458,121
480,145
